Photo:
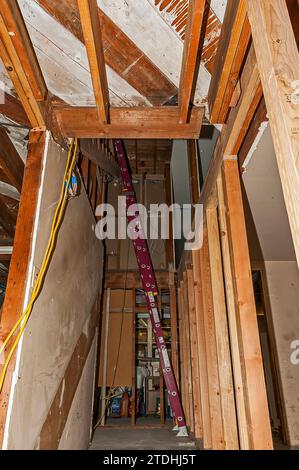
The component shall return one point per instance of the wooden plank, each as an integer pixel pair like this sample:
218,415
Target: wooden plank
231,314
93,42
14,297
129,123
52,429
20,61
211,348
134,385
188,364
257,412
202,354
13,110
183,365
233,43
120,53
243,114
93,150
198,430
278,63
10,162
169,201
230,431
189,63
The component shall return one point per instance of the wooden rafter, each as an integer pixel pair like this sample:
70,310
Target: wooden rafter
233,44
129,123
7,218
94,46
20,61
10,162
191,46
121,54
278,63
12,108
95,153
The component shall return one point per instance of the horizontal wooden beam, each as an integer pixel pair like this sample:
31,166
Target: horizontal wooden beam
129,123
232,47
94,151
20,61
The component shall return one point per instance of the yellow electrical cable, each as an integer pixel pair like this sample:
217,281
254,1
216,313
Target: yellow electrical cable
45,263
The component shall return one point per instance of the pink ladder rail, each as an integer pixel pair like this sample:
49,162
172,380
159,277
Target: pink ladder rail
150,288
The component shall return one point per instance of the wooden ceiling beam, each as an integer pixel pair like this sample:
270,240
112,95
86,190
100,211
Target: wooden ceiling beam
121,54
20,61
129,123
93,42
190,54
10,162
233,44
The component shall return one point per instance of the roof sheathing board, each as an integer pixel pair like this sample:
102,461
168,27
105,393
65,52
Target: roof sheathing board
64,62
142,23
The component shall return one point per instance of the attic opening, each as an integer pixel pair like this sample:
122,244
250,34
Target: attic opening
108,341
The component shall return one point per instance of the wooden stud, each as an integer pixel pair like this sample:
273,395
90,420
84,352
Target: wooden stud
198,431
211,348
202,354
191,46
257,412
233,43
183,365
188,364
134,398
232,320
193,171
222,339
278,63
93,41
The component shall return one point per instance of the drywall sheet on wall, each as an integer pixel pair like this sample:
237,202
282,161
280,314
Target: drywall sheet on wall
69,293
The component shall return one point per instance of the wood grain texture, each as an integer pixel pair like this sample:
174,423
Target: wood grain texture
258,422
94,45
20,61
12,108
232,47
189,62
120,53
129,123
278,63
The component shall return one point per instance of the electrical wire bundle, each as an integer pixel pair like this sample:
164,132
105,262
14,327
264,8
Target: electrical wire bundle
58,215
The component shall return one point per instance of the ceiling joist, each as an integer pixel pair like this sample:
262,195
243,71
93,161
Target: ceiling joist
190,53
93,42
20,61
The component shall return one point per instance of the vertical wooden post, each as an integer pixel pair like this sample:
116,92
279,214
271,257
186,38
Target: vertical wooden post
258,421
104,378
194,358
193,171
211,348
183,366
18,272
174,326
231,312
188,353
221,329
202,354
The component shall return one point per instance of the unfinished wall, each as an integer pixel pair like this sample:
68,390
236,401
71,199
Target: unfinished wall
275,255
62,324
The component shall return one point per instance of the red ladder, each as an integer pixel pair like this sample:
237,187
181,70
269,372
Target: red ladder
150,289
